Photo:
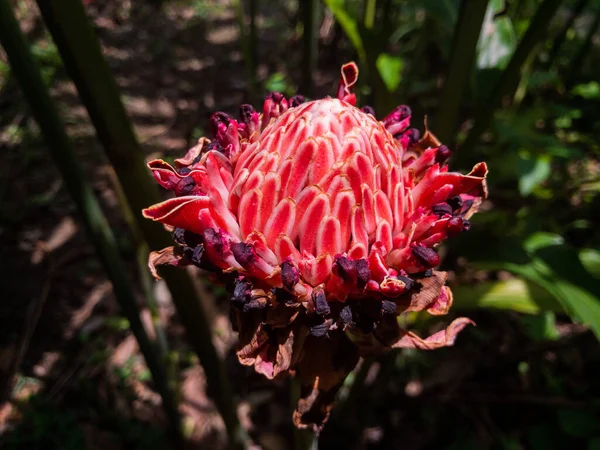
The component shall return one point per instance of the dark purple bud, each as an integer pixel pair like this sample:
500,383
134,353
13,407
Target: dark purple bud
185,186
363,272
428,257
196,256
246,112
388,307
283,296
408,282
398,120
179,236
184,170
321,305
243,253
466,225
345,268
275,96
428,273
455,202
253,304
296,100
219,122
320,330
455,226
242,292
368,110
213,238
442,154
289,275
441,209
346,315
214,146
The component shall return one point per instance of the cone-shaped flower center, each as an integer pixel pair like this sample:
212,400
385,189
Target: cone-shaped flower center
323,178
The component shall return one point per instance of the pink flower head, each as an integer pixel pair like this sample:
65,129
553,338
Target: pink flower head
326,219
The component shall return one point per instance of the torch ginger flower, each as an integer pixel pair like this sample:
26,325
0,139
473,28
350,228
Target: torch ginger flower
324,221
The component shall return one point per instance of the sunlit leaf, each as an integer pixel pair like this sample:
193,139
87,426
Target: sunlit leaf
589,91
541,327
348,24
514,294
498,40
532,173
390,69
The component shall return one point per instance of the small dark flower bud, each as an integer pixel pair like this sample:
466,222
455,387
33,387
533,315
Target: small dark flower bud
289,275
408,282
296,100
346,315
426,256
242,292
428,273
179,236
214,146
321,305
441,209
388,307
455,202
345,268
184,170
368,110
275,96
197,254
253,304
243,253
466,225
246,112
218,122
185,186
213,239
363,272
320,330
442,154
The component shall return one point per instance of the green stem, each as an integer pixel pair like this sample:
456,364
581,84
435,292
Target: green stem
462,56
82,55
509,77
248,42
310,17
30,79
370,8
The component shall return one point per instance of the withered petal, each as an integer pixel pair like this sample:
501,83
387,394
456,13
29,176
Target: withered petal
443,338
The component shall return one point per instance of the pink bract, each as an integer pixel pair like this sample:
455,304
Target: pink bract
325,222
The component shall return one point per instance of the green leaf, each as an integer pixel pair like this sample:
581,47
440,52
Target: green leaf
555,268
589,91
348,24
590,259
533,172
514,294
390,69
541,327
498,39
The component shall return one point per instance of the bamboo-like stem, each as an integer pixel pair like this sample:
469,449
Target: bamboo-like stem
248,42
81,53
509,77
561,36
310,19
370,9
30,79
462,56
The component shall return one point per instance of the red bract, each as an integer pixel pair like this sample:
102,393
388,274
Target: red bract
326,220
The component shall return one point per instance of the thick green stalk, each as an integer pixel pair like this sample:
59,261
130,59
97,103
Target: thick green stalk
81,53
310,18
561,36
462,56
30,79
370,9
509,77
